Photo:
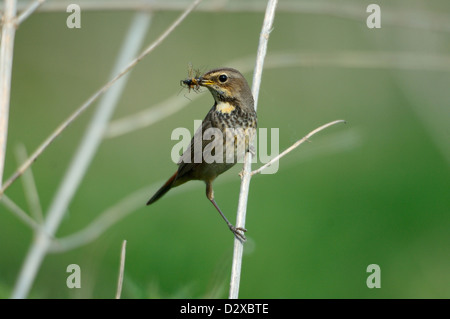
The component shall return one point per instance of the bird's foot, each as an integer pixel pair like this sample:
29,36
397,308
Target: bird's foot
239,233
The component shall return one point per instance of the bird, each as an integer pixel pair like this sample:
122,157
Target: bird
225,135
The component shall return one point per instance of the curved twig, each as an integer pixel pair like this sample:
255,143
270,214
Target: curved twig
295,145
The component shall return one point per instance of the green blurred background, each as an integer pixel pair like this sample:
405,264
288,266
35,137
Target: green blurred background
373,191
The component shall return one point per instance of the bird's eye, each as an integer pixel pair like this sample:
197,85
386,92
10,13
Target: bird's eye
223,78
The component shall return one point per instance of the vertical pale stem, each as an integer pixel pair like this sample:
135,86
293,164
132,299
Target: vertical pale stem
121,269
6,61
246,174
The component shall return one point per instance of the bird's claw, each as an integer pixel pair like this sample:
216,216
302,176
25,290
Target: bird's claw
239,233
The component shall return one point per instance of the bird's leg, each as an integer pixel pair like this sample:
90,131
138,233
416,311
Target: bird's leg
237,231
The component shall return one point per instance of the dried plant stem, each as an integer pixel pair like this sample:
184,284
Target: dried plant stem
93,98
29,10
29,187
294,146
17,211
106,219
121,269
6,61
148,116
246,176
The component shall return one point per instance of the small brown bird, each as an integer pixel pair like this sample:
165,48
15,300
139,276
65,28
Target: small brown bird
225,135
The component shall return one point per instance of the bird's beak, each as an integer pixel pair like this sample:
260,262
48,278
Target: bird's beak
204,82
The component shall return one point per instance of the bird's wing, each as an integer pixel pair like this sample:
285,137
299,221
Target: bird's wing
189,158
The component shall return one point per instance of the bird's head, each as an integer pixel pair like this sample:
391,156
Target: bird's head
226,85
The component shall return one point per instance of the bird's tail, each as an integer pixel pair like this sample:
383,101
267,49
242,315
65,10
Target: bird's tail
164,189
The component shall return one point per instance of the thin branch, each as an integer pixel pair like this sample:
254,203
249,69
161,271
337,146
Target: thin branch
294,146
22,215
6,61
245,182
29,186
32,7
121,269
147,117
105,220
93,98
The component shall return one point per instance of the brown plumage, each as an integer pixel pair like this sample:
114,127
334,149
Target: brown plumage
224,137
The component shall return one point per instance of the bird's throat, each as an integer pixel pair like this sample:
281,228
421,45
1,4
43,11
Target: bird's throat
225,107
